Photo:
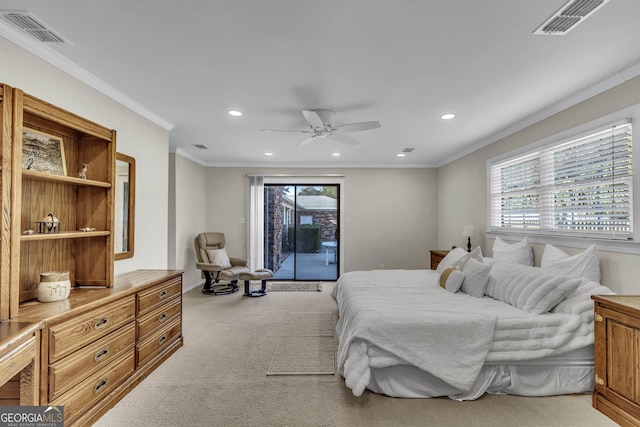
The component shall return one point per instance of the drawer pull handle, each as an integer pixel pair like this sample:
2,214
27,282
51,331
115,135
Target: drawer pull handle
101,323
162,294
162,339
162,317
101,354
100,385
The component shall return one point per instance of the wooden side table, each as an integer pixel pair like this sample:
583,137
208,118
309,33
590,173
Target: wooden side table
436,257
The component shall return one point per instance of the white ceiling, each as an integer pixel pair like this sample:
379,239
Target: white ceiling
401,62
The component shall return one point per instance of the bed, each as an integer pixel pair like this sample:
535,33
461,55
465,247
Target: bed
402,334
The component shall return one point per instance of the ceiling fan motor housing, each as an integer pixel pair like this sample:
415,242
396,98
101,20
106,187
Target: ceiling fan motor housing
328,119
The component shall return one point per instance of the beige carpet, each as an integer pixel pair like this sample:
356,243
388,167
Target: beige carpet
306,346
294,286
218,380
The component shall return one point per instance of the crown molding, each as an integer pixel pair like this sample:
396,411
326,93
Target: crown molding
52,57
183,153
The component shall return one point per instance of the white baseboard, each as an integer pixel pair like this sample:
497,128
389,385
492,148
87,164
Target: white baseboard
187,288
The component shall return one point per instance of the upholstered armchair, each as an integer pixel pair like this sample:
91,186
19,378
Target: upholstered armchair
216,265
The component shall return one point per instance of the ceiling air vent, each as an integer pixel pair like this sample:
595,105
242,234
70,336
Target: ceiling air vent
569,15
30,25
408,150
200,146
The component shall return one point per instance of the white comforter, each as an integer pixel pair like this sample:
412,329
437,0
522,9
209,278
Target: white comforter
403,317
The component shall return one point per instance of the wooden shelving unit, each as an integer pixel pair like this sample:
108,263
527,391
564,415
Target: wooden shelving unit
29,195
88,351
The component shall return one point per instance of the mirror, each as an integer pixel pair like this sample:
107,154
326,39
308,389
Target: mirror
125,203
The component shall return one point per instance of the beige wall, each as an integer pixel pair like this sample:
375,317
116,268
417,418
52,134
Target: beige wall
187,215
462,183
390,215
136,136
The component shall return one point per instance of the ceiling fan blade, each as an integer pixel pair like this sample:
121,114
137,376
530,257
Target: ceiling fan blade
306,141
344,139
295,131
356,127
313,118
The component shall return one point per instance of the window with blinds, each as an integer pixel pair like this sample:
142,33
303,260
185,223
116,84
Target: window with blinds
582,187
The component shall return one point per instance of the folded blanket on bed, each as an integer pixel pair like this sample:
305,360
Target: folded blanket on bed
451,345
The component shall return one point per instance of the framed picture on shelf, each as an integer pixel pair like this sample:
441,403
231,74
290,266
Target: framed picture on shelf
42,152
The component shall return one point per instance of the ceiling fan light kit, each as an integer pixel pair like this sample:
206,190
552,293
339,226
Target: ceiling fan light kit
322,125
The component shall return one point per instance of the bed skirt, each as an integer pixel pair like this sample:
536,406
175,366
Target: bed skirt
565,374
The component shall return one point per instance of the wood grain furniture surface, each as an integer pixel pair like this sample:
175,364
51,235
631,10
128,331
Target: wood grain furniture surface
436,257
87,351
99,344
19,363
30,195
617,358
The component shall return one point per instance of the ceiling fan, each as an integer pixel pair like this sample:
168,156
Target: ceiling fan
322,124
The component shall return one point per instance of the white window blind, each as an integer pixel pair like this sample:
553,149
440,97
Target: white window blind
582,187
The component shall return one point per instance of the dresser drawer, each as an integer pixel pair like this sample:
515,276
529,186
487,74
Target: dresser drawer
66,337
86,394
161,315
69,371
151,298
157,341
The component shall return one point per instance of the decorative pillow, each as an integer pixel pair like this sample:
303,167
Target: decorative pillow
454,281
529,288
476,277
219,257
518,253
585,264
476,254
450,258
445,275
488,260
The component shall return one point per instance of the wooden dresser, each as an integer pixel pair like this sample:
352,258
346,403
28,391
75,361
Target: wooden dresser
617,358
436,257
100,343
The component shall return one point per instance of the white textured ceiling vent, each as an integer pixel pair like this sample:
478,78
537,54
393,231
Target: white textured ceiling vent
32,26
569,15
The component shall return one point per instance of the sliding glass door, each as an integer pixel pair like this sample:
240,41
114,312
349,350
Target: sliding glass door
301,231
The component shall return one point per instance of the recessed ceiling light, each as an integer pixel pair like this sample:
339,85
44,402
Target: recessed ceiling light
336,154
447,116
268,154
234,113
400,155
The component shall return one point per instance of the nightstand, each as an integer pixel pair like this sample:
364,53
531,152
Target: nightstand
436,257
617,340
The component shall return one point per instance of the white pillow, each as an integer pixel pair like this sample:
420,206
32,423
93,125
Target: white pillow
450,258
454,281
476,277
476,254
518,253
219,257
585,264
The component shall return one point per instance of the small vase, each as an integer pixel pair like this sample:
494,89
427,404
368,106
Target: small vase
54,286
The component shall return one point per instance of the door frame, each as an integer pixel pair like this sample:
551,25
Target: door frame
319,180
